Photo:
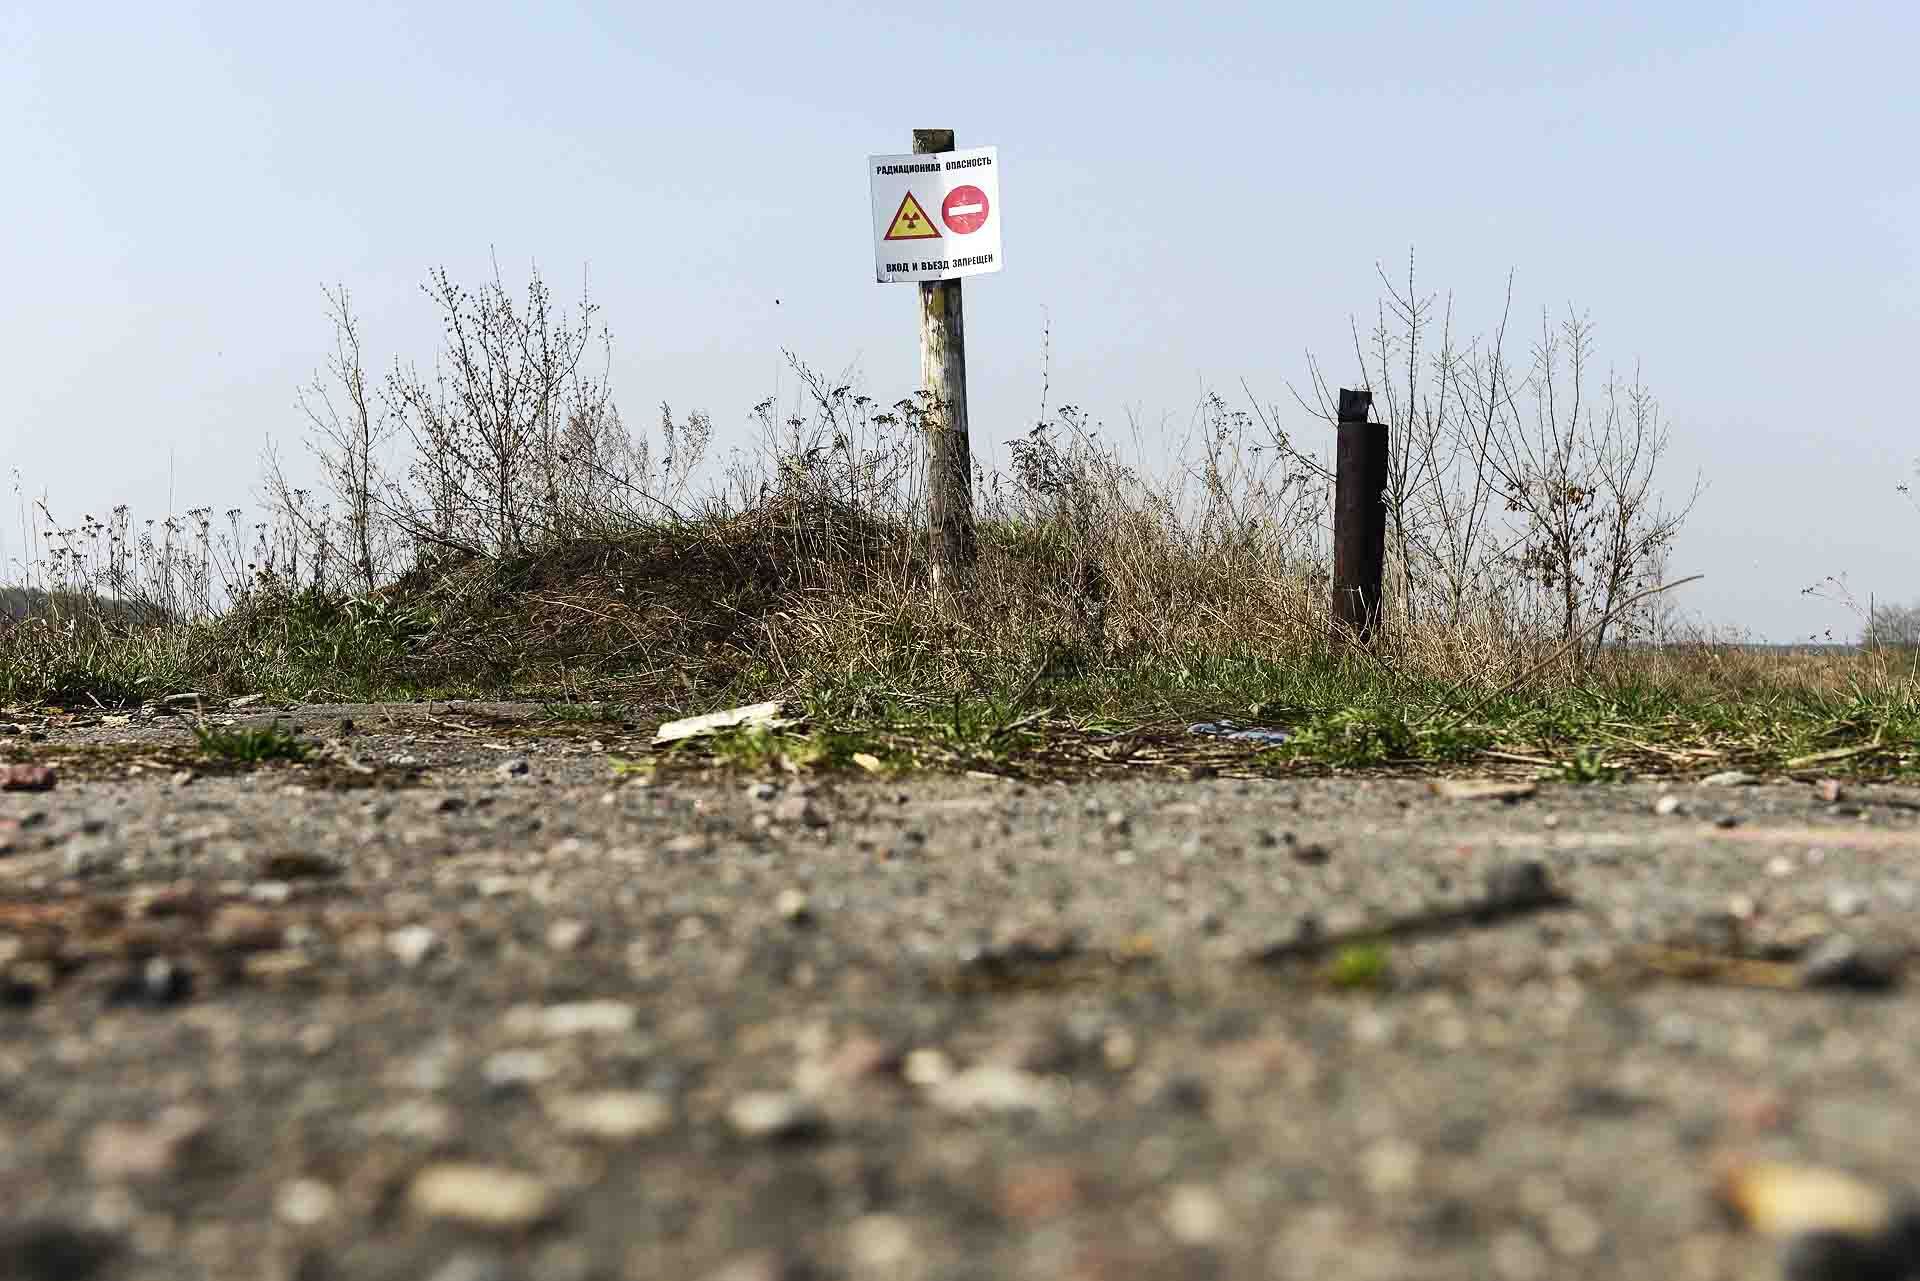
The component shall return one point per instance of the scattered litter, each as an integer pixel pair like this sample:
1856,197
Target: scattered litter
1730,778
1242,733
1833,1225
1482,789
765,715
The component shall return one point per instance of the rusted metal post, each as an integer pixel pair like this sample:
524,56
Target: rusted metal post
1359,519
943,376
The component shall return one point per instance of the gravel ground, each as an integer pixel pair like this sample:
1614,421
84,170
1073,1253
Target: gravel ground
491,1013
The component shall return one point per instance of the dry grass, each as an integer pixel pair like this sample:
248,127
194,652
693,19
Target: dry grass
1108,597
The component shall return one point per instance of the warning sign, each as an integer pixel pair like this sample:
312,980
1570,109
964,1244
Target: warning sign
910,222
936,215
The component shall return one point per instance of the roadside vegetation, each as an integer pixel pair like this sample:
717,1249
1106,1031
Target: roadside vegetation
493,526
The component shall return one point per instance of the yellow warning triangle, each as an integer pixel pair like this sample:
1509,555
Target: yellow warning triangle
910,222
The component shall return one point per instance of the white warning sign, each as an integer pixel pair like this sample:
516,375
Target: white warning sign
936,216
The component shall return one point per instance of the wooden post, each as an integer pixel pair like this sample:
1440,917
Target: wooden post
1359,519
943,376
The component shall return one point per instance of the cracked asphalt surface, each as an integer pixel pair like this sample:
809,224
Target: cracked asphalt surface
462,1002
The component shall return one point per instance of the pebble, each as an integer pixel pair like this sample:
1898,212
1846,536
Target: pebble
1667,805
573,1018
568,934
1839,961
792,906
27,778
685,846
472,1265
1518,1257
799,809
1391,1167
514,1069
514,767
1572,1231
1730,778
304,1203
775,1114
411,945
1520,882
244,928
616,1116
926,1067
1846,900
881,1246
120,1150
481,1196
993,1087
1196,1215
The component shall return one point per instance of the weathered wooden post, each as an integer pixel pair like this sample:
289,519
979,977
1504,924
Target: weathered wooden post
943,376
1359,519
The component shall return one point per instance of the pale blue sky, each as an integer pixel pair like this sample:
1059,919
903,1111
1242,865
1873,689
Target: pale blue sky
1194,194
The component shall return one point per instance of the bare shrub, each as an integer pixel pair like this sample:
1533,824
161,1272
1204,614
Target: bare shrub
1524,500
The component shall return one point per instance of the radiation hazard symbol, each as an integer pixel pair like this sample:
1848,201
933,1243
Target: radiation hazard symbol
910,222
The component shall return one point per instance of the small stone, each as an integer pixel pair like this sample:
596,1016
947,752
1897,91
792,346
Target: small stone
572,1018
881,1246
1667,805
159,982
758,1265
244,928
775,1115
800,810
293,865
304,1203
1730,778
1119,822
1780,866
1391,1167
27,778
270,891
1830,791
685,846
1572,1231
792,906
616,1116
1196,1215
515,1069
762,791
411,945
993,1087
1519,883
1518,1257
117,1150
181,778
1845,900
1032,1193
481,1196
927,1067
512,768
568,934
450,804
1839,961
472,1265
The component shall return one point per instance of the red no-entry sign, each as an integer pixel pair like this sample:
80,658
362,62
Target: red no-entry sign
964,210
